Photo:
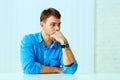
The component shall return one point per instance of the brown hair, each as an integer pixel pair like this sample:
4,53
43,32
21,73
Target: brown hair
49,12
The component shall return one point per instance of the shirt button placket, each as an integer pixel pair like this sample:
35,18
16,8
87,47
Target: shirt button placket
45,55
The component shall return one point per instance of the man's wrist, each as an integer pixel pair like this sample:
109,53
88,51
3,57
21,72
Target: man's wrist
65,46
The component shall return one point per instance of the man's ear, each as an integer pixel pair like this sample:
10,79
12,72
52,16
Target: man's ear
41,24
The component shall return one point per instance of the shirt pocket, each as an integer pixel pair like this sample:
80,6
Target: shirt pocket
54,63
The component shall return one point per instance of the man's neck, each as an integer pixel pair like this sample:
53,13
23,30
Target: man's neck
46,39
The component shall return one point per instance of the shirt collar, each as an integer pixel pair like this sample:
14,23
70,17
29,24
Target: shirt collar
40,40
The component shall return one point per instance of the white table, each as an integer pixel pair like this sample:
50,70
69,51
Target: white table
15,76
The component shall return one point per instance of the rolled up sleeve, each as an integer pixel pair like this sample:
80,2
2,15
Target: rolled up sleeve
29,65
70,69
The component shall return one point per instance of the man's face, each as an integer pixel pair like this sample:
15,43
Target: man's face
51,25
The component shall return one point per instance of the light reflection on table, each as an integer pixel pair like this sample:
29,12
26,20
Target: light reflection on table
49,77
21,76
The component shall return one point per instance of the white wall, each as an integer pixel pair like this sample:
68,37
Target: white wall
107,36
20,17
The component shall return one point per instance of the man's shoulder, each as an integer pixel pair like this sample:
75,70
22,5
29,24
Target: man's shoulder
32,34
31,37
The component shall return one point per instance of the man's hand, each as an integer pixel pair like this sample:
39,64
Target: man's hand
58,36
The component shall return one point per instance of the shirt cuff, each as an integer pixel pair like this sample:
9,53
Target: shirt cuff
71,69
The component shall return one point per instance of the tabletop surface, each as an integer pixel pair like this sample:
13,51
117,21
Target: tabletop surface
15,76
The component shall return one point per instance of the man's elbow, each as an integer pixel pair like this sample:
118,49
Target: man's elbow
71,70
32,69
29,71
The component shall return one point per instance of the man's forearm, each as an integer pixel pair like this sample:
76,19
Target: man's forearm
68,57
49,69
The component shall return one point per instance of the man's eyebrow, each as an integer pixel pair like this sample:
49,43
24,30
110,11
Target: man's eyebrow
55,22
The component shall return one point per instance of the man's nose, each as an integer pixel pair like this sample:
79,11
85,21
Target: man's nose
57,28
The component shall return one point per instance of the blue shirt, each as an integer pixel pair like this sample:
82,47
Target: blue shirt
34,53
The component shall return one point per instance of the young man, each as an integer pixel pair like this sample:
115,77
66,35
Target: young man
47,51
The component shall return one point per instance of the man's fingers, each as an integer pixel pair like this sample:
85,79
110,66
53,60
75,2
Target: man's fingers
53,39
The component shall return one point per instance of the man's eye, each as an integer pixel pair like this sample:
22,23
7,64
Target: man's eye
59,24
52,24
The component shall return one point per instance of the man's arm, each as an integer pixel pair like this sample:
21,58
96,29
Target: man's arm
68,57
49,69
69,64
